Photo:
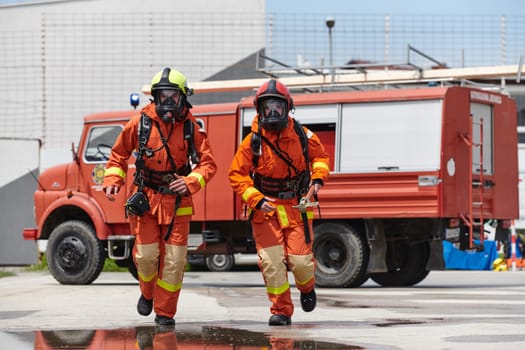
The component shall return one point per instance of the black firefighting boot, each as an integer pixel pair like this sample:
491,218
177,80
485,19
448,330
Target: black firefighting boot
164,320
308,301
144,306
279,320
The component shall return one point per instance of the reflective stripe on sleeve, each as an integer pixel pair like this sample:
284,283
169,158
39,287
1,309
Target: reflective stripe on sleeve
321,165
115,171
199,177
249,191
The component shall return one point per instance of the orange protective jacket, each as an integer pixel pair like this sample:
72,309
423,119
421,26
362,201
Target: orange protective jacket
162,205
273,166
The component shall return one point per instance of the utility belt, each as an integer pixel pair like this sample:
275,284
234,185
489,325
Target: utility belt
287,188
159,180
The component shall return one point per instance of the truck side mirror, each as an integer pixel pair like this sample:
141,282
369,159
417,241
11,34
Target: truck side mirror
74,152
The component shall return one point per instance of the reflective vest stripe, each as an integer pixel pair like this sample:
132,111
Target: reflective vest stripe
184,211
283,217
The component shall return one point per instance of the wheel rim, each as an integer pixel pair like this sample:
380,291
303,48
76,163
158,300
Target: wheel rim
71,254
219,260
331,255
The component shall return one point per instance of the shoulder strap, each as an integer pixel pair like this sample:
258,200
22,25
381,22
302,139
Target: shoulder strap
256,143
280,155
189,130
304,144
144,132
256,146
304,140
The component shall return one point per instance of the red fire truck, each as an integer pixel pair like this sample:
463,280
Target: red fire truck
410,168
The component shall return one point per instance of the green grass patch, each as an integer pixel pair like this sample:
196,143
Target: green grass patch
111,266
41,265
6,274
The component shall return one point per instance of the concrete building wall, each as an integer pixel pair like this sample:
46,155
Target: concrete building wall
20,159
62,60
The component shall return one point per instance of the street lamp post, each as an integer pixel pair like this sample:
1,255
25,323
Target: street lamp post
330,23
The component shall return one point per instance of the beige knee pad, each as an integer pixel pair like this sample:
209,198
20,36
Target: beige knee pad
146,258
273,266
302,267
174,264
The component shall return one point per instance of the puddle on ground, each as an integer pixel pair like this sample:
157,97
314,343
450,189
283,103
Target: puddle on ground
155,337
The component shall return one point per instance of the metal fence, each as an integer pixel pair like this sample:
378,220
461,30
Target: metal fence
81,63
457,41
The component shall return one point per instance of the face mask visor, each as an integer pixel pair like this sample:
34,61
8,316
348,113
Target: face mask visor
170,106
168,93
273,109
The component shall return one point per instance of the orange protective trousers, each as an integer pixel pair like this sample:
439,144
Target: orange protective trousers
282,249
160,264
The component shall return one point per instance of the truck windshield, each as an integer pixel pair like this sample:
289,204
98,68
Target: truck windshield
100,141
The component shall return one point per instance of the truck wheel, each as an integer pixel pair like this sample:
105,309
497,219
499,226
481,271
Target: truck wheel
133,270
74,253
341,255
219,262
407,265
130,265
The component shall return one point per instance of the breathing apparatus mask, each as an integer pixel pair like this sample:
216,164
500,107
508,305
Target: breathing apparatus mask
273,113
171,105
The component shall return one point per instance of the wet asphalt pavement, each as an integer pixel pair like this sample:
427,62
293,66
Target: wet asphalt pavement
229,310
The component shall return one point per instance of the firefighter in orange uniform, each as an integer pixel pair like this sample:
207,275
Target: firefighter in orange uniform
272,170
170,168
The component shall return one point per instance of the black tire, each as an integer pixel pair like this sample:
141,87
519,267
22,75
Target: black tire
406,265
133,271
219,262
130,265
74,253
341,254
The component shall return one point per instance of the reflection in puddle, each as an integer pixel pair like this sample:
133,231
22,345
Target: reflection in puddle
155,337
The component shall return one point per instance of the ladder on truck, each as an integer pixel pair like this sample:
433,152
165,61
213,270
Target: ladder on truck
360,77
476,182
